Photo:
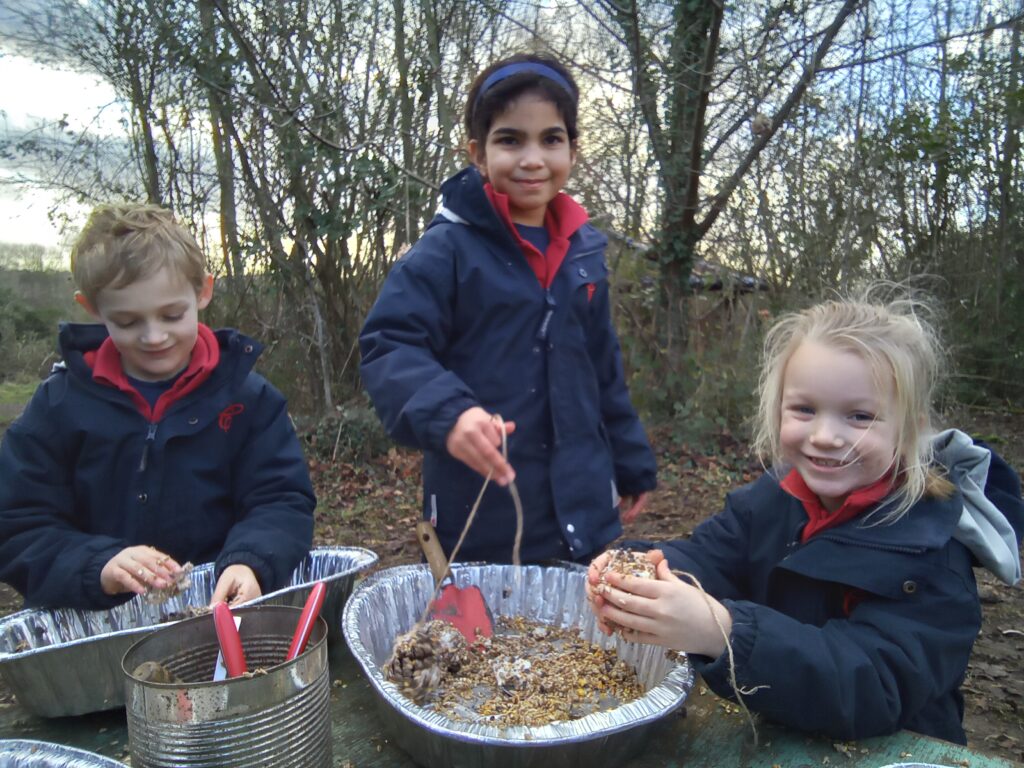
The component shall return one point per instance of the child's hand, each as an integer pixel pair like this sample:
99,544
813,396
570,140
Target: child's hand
631,506
136,569
475,440
668,612
237,584
597,599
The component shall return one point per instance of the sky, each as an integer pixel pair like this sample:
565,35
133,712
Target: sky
31,92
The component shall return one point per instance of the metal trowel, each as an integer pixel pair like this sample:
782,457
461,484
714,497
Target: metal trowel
464,608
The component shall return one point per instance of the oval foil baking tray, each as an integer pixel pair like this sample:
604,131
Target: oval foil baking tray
389,602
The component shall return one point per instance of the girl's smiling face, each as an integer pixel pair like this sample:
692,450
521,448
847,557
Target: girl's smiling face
526,155
838,426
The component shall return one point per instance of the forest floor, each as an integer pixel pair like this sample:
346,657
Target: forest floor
375,504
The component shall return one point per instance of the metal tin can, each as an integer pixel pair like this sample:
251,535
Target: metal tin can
278,717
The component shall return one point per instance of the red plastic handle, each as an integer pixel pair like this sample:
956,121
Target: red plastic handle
230,642
307,620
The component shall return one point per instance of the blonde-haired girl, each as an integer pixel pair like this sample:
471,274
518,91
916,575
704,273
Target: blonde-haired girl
843,577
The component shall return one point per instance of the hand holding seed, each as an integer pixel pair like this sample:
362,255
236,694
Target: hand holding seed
135,569
476,439
665,611
622,562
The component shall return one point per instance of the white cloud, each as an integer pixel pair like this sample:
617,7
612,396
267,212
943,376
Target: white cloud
24,216
34,91
31,93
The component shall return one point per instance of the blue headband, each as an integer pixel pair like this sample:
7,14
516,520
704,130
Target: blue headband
520,67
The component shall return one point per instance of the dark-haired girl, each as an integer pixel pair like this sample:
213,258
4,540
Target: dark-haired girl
497,321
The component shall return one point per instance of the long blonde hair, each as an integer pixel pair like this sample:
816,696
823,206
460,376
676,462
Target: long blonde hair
890,330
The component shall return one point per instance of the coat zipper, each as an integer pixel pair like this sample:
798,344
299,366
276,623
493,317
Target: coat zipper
549,301
150,436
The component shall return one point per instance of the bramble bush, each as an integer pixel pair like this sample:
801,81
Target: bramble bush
353,433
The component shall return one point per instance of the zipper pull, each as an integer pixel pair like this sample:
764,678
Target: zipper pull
150,435
542,333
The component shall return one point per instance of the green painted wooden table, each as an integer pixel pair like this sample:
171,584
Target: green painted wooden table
708,734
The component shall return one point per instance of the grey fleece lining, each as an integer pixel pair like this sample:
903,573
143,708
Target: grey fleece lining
982,528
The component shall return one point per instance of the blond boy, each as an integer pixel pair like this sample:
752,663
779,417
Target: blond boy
153,443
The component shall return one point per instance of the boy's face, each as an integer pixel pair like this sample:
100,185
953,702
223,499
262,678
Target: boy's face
838,426
153,322
527,155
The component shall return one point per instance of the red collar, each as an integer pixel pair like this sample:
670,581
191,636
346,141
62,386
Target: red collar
820,518
563,217
106,369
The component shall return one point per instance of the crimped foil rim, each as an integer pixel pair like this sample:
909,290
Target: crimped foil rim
33,751
659,701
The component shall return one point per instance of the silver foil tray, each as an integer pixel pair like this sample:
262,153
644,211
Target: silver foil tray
68,662
389,602
22,753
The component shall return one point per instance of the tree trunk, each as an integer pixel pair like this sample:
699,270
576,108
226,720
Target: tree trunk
220,117
406,224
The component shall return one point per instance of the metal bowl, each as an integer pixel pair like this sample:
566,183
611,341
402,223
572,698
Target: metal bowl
68,662
389,602
24,753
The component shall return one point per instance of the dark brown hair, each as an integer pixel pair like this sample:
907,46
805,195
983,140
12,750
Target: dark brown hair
483,105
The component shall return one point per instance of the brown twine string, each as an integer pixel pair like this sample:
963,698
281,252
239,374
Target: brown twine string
472,516
740,692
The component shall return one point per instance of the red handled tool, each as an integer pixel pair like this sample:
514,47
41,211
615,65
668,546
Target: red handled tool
306,621
464,608
230,642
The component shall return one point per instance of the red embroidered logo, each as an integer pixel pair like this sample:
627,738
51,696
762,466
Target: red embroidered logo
224,420
591,290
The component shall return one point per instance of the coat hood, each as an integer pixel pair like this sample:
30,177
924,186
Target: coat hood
982,527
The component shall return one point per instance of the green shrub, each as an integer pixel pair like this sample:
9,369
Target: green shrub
353,433
26,358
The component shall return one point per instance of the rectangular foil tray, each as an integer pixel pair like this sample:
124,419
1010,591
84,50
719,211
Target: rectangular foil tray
25,753
68,661
389,602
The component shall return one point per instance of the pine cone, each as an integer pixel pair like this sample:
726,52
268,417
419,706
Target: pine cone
181,582
422,657
624,562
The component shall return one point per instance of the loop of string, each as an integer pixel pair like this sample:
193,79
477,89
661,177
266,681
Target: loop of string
740,692
472,516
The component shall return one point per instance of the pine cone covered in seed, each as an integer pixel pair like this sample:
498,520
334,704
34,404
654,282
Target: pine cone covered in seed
625,562
422,657
181,582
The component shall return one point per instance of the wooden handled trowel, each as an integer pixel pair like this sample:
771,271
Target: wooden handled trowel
464,608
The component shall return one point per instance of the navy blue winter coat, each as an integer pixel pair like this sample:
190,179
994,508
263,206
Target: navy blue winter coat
896,661
463,321
83,475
